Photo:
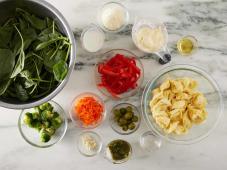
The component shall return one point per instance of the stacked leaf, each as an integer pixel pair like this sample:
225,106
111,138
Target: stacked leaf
34,56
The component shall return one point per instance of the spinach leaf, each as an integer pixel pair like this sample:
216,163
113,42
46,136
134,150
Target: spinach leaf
47,43
50,61
32,19
23,24
60,70
4,85
7,62
21,93
5,36
20,61
28,79
29,35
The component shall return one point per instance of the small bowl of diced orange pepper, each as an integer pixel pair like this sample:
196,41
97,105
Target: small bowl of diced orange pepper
87,110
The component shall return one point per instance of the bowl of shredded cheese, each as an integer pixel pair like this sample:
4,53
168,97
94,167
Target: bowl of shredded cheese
182,104
113,17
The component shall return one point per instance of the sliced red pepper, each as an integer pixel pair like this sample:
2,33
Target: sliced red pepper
119,74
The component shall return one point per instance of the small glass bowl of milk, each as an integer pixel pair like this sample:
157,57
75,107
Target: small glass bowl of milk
92,38
151,36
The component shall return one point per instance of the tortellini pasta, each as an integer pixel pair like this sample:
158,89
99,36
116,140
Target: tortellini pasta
177,105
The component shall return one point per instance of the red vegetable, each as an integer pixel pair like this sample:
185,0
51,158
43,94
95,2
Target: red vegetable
119,74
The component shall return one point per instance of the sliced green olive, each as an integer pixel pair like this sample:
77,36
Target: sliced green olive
129,108
132,126
135,118
128,115
123,110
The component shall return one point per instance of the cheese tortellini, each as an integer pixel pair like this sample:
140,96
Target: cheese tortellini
177,105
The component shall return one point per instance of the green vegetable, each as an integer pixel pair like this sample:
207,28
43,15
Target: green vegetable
43,106
6,33
128,115
46,124
129,108
21,93
47,115
32,19
122,121
56,114
117,113
45,120
33,57
123,110
37,125
125,128
56,122
44,136
7,61
60,70
28,119
131,126
135,119
20,61
36,108
35,116
50,131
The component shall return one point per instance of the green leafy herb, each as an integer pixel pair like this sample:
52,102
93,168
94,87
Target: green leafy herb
33,56
60,70
20,61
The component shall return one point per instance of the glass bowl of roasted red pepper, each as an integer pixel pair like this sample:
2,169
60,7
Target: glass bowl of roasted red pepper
119,74
87,110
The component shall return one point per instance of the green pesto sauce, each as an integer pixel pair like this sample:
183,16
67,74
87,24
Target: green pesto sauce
119,149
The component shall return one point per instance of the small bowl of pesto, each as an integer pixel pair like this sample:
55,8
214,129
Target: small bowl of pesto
44,125
118,151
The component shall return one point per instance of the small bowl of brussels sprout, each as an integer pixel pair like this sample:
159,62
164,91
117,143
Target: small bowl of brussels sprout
44,125
125,118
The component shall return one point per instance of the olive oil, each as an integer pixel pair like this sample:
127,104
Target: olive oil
186,45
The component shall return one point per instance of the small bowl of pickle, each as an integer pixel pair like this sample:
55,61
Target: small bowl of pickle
125,118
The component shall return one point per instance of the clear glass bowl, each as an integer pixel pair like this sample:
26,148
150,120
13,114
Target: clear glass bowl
108,55
83,150
113,5
98,39
77,121
150,142
31,135
206,85
150,23
194,42
114,124
109,157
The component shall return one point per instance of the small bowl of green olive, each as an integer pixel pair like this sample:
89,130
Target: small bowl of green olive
44,125
125,118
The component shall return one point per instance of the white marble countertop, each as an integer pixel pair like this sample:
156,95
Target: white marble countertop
205,19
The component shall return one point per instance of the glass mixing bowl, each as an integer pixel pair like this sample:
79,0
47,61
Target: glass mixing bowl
206,85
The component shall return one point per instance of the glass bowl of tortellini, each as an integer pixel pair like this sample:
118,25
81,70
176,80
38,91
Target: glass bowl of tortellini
182,104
